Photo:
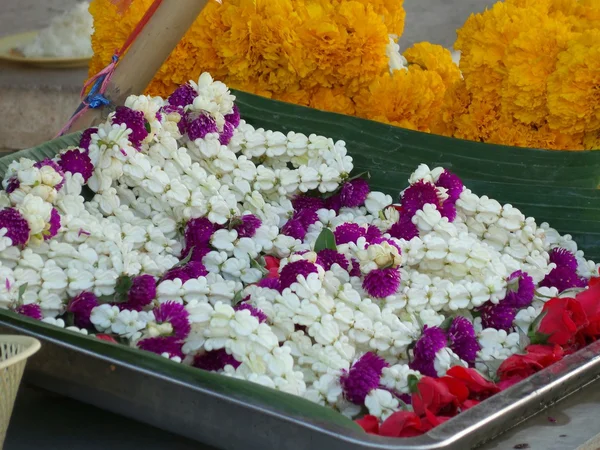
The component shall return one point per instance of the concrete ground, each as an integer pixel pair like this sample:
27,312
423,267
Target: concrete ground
35,103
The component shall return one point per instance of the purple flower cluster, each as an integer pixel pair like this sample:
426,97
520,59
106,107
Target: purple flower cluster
498,316
521,290
215,360
247,226
354,193
198,233
183,96
81,307
297,226
175,314
431,341
133,120
381,283
33,310
190,271
254,312
162,344
77,161
290,272
198,127
421,193
141,293
17,228
363,377
302,202
462,340
86,138
328,257
54,225
564,276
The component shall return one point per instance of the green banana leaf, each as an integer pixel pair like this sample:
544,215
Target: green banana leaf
557,187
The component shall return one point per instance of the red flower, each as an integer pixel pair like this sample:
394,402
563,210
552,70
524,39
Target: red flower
479,388
590,303
562,320
438,396
106,337
403,424
538,357
369,423
272,265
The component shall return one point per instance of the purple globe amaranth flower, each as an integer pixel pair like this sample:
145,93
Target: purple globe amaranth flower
48,162
198,232
12,185
328,257
135,121
448,210
175,314
348,232
161,345
520,291
254,312
462,340
54,225
373,235
182,96
197,253
32,310
215,360
227,133
142,292
270,283
354,268
248,225
306,217
563,258
81,307
453,185
76,161
295,229
563,278
192,270
86,138
302,202
381,283
199,127
498,316
431,341
363,377
418,195
17,228
234,117
334,202
354,193
404,229
288,275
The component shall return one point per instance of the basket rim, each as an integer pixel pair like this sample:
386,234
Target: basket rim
31,345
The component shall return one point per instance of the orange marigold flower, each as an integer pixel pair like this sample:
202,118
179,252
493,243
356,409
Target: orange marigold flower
434,57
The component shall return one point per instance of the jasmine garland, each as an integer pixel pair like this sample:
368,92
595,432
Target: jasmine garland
255,254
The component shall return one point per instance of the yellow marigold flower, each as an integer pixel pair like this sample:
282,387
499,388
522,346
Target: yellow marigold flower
334,100
407,98
591,141
573,89
456,103
434,57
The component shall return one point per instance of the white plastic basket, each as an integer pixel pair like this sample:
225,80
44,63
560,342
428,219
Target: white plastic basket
14,351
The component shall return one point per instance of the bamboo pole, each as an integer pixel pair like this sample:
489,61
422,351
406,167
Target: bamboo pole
147,53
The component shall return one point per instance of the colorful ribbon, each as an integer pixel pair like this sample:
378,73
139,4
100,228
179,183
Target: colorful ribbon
95,97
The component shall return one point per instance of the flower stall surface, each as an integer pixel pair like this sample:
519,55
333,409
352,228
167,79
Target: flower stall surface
177,228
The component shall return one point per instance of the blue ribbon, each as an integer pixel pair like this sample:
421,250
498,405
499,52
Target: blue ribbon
94,99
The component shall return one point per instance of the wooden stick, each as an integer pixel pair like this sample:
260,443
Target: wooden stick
147,53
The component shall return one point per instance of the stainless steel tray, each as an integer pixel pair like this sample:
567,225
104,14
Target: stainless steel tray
227,421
